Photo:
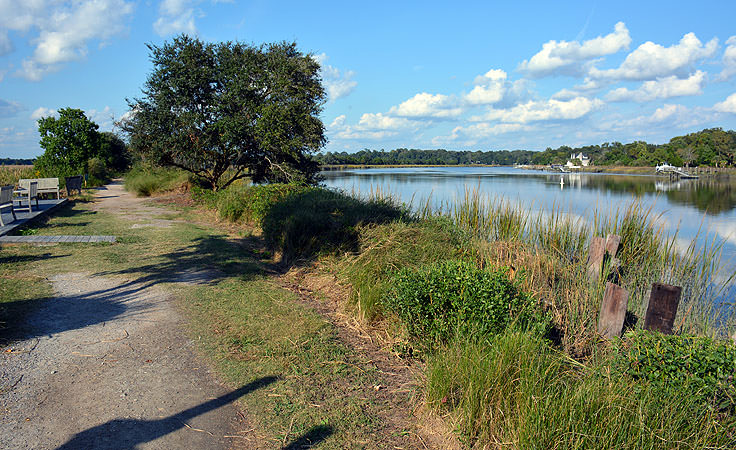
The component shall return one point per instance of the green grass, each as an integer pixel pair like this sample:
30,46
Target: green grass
148,181
517,392
11,174
246,323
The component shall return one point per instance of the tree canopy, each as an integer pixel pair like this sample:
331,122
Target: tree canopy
69,142
226,110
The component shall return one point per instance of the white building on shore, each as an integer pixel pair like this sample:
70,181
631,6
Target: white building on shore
584,160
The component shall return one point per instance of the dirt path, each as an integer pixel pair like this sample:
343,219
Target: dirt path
105,364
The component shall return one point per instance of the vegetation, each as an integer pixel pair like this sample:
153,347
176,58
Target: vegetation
11,174
146,181
16,162
229,110
73,146
709,147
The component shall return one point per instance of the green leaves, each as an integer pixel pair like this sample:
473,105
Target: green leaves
458,298
68,141
208,108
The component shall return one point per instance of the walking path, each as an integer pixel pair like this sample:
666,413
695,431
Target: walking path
105,364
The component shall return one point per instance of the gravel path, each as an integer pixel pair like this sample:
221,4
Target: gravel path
106,365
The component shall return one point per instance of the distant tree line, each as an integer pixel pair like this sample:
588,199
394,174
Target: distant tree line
15,162
710,147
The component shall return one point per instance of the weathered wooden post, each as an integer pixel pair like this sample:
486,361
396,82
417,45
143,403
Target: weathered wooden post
663,302
613,311
595,258
613,242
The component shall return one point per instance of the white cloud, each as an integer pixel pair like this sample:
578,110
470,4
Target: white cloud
371,126
426,105
727,106
572,57
662,88
41,112
489,88
9,108
6,45
175,16
534,111
650,60
64,29
729,60
338,84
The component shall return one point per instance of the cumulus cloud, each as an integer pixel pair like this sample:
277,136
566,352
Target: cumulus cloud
371,126
41,112
661,88
9,108
650,60
573,57
729,60
337,83
727,106
64,29
425,105
534,111
175,16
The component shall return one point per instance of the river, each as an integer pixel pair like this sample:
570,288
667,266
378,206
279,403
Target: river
698,209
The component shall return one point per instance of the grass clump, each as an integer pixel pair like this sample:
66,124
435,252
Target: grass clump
11,174
517,392
316,221
456,298
148,181
252,203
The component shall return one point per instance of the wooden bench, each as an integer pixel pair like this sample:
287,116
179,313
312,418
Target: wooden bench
27,194
6,201
44,185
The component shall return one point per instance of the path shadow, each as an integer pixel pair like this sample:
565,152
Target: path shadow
71,312
128,433
206,261
314,436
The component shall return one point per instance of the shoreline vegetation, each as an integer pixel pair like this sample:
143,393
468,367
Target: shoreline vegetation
495,302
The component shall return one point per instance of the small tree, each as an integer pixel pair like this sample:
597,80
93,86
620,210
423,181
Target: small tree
224,111
69,142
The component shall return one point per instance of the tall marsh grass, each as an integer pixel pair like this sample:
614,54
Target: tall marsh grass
551,247
11,174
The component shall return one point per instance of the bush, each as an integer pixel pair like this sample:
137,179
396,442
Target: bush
252,203
147,181
97,171
386,248
315,220
707,366
453,298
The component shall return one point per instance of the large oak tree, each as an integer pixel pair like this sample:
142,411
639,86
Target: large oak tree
227,110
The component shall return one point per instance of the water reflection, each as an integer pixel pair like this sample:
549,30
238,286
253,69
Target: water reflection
696,209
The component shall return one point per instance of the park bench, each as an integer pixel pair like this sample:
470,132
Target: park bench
44,185
27,194
6,201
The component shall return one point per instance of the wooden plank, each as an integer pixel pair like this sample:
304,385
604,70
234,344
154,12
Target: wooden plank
613,311
613,242
663,302
595,258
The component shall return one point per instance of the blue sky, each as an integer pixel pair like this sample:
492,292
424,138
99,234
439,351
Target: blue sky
473,75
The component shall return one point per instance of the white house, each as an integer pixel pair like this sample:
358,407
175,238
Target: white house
583,159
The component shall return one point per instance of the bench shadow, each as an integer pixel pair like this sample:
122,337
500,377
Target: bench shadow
129,433
314,436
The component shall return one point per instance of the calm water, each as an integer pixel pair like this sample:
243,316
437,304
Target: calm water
687,205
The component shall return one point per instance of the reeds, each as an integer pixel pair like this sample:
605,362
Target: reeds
11,174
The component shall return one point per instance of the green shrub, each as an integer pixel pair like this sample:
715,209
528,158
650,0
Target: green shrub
706,365
252,203
458,298
315,220
146,181
386,248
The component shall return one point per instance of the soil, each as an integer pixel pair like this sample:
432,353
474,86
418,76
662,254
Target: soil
107,364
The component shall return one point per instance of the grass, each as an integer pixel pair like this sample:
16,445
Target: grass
148,181
517,392
248,324
11,174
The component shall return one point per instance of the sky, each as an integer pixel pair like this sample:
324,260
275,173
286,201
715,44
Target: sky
468,76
